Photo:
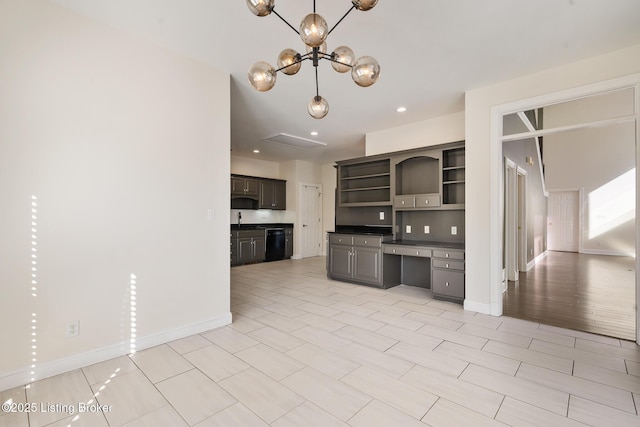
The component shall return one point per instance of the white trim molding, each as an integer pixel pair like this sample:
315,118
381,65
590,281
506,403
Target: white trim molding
23,376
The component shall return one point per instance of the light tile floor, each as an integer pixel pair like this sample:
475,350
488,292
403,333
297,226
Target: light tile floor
307,351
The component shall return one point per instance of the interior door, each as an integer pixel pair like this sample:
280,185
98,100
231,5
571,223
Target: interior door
311,220
562,222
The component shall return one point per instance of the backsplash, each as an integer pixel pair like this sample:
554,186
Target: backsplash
263,216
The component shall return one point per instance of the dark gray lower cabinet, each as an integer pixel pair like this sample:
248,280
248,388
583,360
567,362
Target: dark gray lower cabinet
248,246
288,243
355,258
447,275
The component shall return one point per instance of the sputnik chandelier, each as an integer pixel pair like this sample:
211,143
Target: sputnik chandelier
313,32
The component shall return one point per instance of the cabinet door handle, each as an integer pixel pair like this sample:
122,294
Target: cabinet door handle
446,283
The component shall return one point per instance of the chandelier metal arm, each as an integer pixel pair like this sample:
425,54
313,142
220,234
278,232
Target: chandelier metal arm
285,21
302,58
344,16
332,59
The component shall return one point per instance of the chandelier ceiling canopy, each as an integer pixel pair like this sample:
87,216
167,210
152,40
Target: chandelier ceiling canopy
313,31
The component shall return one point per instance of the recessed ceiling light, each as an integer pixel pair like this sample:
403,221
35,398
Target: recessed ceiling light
401,109
256,151
314,133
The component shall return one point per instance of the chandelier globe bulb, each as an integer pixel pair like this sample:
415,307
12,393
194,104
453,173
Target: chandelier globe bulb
318,107
365,71
262,76
261,7
314,30
364,5
345,57
288,58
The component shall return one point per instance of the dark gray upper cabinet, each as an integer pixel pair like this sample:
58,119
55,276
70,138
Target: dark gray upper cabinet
273,194
244,187
250,192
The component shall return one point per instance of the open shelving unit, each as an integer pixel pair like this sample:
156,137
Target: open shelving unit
453,177
365,184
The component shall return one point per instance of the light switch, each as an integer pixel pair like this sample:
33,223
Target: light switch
381,215
454,230
426,229
408,229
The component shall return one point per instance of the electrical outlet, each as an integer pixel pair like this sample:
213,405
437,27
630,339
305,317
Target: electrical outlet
408,229
426,229
381,215
73,329
454,230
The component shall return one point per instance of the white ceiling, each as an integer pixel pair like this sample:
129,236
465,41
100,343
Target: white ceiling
430,52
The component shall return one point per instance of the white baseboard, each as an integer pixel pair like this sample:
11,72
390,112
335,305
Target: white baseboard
477,307
606,252
536,260
44,370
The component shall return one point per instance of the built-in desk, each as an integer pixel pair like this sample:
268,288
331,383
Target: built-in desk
435,265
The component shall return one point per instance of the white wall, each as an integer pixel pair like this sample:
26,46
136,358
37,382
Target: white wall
120,142
426,133
601,161
483,220
255,167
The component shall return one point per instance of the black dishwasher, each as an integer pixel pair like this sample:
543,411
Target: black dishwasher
275,244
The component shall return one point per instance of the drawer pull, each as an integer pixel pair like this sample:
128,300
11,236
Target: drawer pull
446,283
365,242
446,265
403,202
446,255
426,202
417,252
394,251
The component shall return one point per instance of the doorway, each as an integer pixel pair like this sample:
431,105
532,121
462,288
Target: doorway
563,221
569,241
310,215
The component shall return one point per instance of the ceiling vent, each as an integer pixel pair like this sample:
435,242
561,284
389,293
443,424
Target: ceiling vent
294,141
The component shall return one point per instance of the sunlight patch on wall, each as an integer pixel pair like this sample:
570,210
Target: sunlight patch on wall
612,204
133,317
34,285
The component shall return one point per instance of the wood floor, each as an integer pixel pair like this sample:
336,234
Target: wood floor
591,293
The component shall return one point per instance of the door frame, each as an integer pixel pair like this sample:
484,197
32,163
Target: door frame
523,225
319,233
497,189
511,219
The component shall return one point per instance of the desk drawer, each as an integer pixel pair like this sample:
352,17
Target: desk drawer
404,202
368,241
448,283
407,250
427,200
447,264
448,254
